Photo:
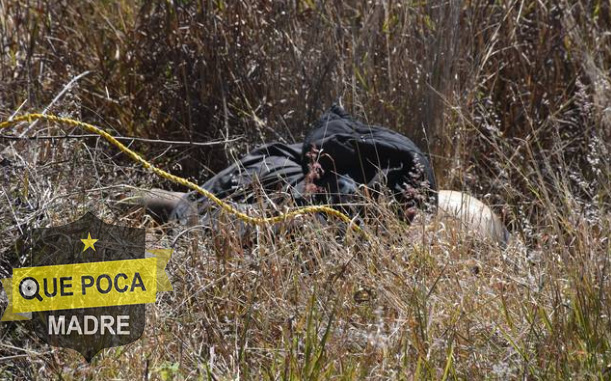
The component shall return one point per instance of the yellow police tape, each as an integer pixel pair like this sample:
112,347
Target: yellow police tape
86,285
179,180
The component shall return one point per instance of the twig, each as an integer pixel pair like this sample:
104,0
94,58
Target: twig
61,93
7,358
123,138
18,109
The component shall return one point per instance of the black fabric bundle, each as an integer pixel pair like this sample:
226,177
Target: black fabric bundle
339,156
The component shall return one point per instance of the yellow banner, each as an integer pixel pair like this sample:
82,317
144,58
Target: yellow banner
86,285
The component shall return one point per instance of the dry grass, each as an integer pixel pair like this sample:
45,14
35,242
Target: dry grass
510,97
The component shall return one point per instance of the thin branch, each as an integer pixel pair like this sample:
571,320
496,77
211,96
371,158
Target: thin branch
122,138
57,97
